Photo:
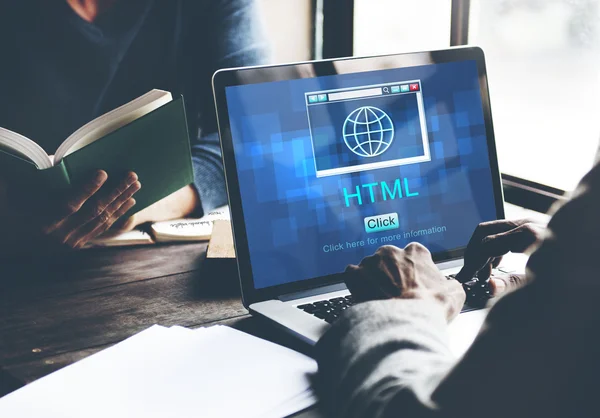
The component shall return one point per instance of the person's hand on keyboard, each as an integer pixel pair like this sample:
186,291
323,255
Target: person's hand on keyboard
489,243
408,273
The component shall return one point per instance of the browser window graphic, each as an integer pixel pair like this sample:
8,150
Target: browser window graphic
368,127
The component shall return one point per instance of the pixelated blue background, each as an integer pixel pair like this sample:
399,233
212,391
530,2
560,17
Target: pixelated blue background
327,121
291,214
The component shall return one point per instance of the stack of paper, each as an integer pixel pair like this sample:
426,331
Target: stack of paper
174,372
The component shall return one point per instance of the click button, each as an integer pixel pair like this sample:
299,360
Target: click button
381,222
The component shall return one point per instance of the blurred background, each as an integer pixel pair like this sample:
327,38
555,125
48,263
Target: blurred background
543,60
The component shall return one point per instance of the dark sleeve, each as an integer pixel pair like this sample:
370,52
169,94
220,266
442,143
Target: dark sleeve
221,34
536,355
392,359
381,351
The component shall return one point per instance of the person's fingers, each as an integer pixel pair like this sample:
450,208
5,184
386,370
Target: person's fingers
483,230
126,225
95,208
506,283
103,227
469,270
94,211
485,272
362,285
73,203
496,261
517,240
90,229
486,229
415,247
112,214
354,283
491,247
387,273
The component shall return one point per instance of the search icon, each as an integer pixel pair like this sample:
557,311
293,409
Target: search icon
386,90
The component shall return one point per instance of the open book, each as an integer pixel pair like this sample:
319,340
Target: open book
178,230
148,135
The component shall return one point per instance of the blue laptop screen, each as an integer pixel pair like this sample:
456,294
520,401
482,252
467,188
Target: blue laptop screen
330,168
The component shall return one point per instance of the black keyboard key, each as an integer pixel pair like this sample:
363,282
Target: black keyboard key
328,310
478,293
331,318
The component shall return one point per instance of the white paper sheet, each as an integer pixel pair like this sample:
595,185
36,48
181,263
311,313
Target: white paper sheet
161,372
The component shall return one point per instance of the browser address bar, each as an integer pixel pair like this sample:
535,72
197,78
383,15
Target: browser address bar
355,94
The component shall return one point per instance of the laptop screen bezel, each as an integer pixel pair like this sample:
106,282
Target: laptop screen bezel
223,79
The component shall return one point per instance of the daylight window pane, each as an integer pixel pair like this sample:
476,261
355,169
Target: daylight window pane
391,26
288,27
543,61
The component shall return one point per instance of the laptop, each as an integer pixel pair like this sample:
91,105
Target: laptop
326,161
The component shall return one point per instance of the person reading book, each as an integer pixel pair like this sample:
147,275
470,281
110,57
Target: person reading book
66,63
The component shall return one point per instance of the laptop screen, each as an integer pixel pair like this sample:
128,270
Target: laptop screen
331,168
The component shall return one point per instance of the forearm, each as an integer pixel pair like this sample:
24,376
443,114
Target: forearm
180,204
391,359
209,178
236,41
535,356
381,352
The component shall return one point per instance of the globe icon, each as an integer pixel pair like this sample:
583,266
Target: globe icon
368,131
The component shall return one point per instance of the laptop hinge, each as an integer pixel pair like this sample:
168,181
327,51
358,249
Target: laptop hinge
313,292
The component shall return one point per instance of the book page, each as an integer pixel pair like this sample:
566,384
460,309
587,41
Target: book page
111,121
135,237
23,147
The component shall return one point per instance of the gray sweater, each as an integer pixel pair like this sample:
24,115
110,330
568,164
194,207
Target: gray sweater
536,356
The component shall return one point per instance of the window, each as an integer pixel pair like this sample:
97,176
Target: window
288,27
392,26
543,59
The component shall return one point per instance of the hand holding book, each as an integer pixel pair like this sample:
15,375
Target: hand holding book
148,136
56,202
64,220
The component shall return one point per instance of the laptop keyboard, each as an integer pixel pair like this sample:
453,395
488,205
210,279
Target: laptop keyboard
331,309
328,310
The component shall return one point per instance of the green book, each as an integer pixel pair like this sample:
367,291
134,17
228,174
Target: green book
148,135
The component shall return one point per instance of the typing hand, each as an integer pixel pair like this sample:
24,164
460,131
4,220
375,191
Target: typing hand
408,273
70,220
489,243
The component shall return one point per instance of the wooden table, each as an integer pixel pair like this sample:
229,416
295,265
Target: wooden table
61,311
57,312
